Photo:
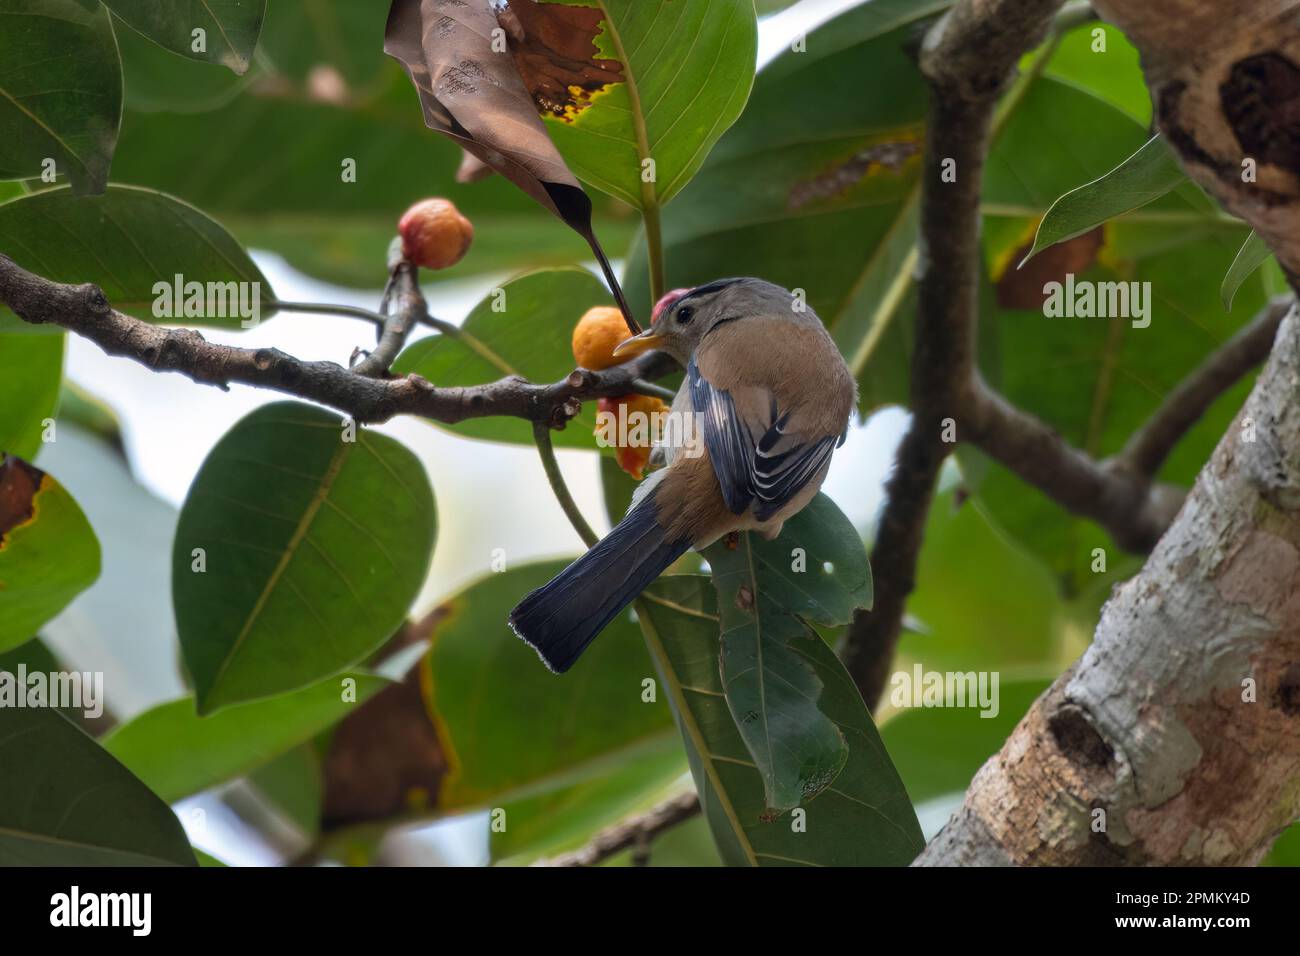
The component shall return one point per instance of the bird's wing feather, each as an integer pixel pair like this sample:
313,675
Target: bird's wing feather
765,472
727,438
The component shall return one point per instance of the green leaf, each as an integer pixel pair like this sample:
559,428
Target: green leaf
293,785
687,69
126,242
565,819
938,749
1253,253
1286,851
313,548
31,372
775,202
980,601
1113,74
156,79
531,335
48,552
1147,175
511,729
863,818
177,753
65,802
229,27
54,104
36,657
816,570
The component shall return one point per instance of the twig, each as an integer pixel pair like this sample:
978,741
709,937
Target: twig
968,57
1151,444
85,310
632,833
398,325
325,308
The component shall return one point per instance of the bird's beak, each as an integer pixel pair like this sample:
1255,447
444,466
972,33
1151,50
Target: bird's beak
647,340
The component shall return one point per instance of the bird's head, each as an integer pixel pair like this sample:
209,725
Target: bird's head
683,317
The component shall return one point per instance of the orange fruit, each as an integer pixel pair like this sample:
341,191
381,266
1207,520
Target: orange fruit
596,336
434,234
630,424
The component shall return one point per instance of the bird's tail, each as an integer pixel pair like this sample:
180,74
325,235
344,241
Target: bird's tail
561,618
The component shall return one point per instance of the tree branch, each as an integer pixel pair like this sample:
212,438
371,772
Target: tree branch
635,833
85,310
399,324
968,57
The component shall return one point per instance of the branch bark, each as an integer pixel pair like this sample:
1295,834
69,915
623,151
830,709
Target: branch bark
634,833
85,310
968,57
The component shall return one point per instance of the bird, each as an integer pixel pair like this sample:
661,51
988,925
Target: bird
768,398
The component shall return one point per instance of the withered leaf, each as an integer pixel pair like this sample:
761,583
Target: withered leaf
1023,288
554,47
19,483
475,94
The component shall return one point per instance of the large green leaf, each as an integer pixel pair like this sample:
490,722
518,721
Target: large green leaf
559,820
511,729
863,818
776,202
980,601
48,552
686,72
31,373
129,240
213,31
768,592
938,749
178,753
531,335
60,91
312,548
65,802
1112,73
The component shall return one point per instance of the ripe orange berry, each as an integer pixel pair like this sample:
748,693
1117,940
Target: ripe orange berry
630,424
596,336
434,234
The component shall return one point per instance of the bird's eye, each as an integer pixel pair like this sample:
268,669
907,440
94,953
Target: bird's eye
685,314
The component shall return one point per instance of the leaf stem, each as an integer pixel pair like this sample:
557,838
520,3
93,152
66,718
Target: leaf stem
542,435
654,241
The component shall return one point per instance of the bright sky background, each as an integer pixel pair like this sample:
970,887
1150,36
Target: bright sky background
489,495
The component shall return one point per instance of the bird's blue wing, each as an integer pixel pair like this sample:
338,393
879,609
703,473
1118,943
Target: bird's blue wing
766,473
